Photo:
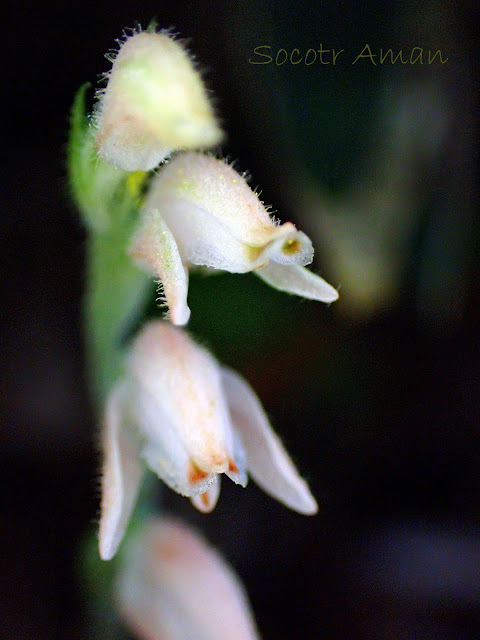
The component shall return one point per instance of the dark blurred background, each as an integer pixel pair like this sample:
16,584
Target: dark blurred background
377,397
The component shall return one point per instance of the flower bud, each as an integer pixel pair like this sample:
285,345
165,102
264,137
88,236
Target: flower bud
154,102
175,586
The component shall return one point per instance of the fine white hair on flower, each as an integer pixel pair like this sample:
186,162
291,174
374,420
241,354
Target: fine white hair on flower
155,102
186,418
174,586
200,212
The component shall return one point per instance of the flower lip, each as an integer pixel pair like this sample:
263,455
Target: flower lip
293,248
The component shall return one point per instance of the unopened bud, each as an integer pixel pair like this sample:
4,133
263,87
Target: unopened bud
154,103
175,586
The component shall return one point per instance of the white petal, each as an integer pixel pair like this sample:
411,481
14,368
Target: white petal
122,474
295,279
268,462
203,240
185,382
154,248
216,188
175,587
161,446
127,146
206,501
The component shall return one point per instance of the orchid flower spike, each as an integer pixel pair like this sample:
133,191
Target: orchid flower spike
189,420
154,102
201,212
175,586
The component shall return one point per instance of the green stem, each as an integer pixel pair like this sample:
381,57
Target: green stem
116,295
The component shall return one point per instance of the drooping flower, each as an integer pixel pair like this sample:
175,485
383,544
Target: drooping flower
201,212
154,102
189,420
174,586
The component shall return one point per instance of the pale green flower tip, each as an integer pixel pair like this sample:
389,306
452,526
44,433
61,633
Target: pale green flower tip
154,103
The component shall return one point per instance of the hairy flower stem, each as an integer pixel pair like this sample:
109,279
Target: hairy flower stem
116,293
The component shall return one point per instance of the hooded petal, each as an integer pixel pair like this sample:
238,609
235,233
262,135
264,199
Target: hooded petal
217,220
154,103
184,381
201,239
215,187
122,474
175,587
268,462
155,249
295,279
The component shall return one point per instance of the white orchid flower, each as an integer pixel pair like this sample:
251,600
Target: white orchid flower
154,102
174,586
189,420
201,212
